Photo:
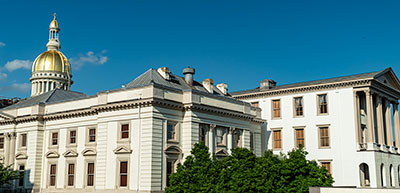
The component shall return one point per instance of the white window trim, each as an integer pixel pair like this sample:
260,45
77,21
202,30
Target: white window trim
118,162
327,104
70,161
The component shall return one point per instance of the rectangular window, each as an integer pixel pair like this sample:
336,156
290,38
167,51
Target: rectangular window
324,137
124,131
298,106
203,133
170,169
236,138
251,141
171,131
277,134
71,174
22,173
53,173
1,141
255,104
276,108
54,138
72,136
299,134
23,140
220,136
90,174
92,135
327,165
322,104
123,174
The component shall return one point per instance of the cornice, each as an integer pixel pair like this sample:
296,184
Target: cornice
303,89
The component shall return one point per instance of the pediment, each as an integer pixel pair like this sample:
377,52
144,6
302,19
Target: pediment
388,77
52,154
70,153
89,152
173,150
122,150
222,152
21,155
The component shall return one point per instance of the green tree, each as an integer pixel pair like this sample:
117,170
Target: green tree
242,171
7,174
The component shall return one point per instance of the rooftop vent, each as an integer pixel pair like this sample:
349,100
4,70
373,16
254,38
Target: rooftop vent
208,84
267,84
189,72
164,72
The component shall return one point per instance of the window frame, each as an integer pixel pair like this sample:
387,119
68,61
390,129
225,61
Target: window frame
273,109
273,138
295,136
68,163
86,177
320,139
295,107
120,133
2,136
224,136
88,142
22,172
51,138
176,127
206,129
318,104
49,184
21,140
69,137
322,161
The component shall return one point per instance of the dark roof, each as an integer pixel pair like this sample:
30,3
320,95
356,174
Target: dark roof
54,96
369,75
151,76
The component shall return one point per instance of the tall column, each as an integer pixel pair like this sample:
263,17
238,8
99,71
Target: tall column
357,115
389,130
12,147
230,140
370,117
379,111
396,124
211,139
7,149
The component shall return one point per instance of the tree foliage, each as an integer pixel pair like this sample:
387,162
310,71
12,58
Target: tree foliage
7,174
244,172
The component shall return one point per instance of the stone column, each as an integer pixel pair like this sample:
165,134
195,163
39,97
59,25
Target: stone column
396,124
7,149
389,130
211,139
370,117
12,147
358,121
230,139
379,112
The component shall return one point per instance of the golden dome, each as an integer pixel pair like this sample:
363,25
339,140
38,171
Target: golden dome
54,23
52,61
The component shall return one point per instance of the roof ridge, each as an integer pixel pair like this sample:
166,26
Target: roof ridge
51,94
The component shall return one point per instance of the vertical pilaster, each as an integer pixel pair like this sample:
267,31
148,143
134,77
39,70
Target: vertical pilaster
380,120
7,149
396,124
370,117
211,139
230,140
13,137
389,130
357,116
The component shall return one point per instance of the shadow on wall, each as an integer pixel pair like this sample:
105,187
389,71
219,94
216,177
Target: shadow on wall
15,187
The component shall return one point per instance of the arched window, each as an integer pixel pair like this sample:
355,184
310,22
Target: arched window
391,176
364,175
383,176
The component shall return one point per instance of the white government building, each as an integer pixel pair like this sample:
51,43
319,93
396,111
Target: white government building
348,124
125,140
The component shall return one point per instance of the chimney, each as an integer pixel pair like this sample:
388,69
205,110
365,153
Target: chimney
208,84
164,72
223,88
267,84
189,72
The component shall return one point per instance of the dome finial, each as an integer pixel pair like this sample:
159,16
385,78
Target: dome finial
55,15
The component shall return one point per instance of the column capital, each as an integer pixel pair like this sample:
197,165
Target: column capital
11,135
212,127
368,92
231,129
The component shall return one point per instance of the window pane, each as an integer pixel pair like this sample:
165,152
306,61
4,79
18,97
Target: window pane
2,142
276,108
125,131
54,137
90,174
23,140
22,173
72,137
53,169
124,173
71,174
277,139
92,135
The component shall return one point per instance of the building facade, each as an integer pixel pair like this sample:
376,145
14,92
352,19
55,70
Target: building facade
124,140
348,124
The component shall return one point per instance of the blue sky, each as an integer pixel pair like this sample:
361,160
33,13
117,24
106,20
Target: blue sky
236,42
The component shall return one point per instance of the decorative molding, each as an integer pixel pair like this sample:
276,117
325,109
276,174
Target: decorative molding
52,154
222,153
70,153
89,152
21,155
122,150
173,149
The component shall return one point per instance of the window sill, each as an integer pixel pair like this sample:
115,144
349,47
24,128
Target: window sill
91,144
22,149
300,116
53,147
71,145
322,114
276,118
173,141
324,147
221,145
124,141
